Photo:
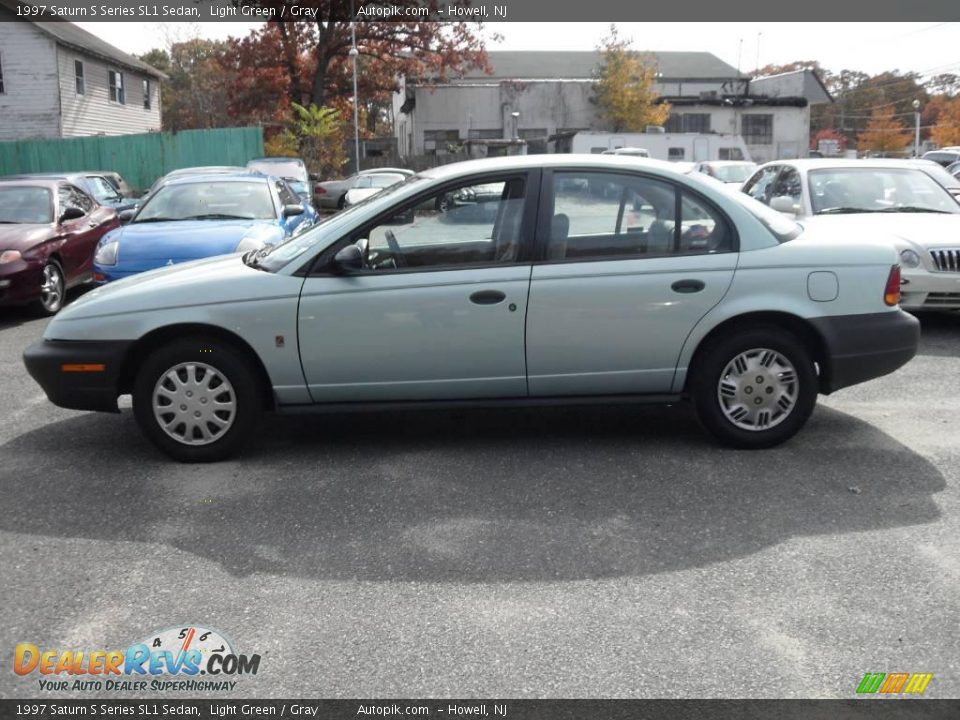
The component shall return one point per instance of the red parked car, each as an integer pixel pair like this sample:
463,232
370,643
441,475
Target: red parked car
49,230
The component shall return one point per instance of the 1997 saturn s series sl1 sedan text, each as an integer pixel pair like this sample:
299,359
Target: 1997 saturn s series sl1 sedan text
583,278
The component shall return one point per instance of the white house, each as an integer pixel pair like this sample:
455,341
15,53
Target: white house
538,94
59,81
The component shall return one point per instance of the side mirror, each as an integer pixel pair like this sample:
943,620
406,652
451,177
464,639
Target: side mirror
71,213
784,204
291,210
349,259
125,216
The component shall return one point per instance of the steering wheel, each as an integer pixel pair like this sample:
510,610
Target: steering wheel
395,249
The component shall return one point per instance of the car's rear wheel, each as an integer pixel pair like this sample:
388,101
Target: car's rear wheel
197,400
754,389
53,288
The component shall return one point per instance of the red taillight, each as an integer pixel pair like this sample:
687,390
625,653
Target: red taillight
891,293
319,190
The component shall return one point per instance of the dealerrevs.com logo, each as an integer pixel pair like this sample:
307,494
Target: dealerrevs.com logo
894,683
169,660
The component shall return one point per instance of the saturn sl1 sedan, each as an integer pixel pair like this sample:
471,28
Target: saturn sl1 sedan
667,287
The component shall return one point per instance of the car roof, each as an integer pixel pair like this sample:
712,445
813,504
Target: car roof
54,175
571,160
402,171
225,177
44,182
815,163
276,159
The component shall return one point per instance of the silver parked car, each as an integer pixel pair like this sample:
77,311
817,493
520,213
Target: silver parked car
672,287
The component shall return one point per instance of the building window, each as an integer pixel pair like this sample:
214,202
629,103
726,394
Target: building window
758,129
688,123
532,133
79,78
146,94
491,134
116,87
440,142
1,75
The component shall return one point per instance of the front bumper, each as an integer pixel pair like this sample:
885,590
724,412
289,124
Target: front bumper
78,374
863,347
922,290
20,282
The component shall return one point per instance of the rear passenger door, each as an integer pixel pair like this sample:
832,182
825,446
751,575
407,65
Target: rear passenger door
627,266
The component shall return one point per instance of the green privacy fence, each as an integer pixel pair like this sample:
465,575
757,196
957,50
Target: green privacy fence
141,159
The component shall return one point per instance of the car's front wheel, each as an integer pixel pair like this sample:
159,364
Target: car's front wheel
754,389
53,288
197,400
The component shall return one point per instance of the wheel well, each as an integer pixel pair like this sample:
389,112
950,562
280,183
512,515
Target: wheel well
159,337
797,326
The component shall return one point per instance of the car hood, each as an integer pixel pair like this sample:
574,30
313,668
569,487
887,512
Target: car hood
211,281
190,239
23,236
925,230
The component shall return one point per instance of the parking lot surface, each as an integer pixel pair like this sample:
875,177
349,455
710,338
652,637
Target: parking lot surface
587,552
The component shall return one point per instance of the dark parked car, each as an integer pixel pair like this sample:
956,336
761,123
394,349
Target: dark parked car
97,185
48,232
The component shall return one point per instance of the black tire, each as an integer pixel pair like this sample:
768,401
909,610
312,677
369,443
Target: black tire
342,202
242,384
711,365
50,303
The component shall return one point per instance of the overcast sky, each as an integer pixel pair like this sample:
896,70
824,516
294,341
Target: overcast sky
928,48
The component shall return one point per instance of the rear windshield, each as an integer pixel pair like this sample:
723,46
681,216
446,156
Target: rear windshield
26,205
780,226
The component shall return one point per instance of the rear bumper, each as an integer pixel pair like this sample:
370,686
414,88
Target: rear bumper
78,374
863,347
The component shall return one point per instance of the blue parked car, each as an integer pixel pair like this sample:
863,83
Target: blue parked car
201,216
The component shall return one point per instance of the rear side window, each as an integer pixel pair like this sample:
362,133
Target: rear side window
598,215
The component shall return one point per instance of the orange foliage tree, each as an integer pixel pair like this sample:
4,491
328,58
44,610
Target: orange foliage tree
947,130
884,133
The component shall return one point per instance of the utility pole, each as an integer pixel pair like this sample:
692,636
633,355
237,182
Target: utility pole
356,114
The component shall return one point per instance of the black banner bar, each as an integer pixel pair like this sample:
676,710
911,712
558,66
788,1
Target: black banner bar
479,10
857,709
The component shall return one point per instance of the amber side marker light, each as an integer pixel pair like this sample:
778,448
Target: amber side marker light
83,367
891,293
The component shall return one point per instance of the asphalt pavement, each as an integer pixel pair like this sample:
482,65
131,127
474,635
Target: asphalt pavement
588,552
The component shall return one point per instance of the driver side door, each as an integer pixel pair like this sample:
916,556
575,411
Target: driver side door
438,310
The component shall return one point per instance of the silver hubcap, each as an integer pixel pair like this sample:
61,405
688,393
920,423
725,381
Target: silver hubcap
194,403
51,289
758,389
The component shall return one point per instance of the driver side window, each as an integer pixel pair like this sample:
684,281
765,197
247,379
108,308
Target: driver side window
477,223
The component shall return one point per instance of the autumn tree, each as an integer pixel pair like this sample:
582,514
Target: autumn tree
624,91
884,133
314,54
193,95
947,130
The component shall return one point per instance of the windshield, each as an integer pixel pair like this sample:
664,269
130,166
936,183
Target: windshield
867,190
210,200
101,189
26,204
731,173
280,168
274,257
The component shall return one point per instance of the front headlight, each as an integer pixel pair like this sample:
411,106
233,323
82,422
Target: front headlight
107,254
9,256
249,244
909,259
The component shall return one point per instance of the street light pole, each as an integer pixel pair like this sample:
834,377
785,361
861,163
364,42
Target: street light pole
916,132
356,114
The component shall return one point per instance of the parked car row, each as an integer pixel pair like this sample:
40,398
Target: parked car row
58,230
